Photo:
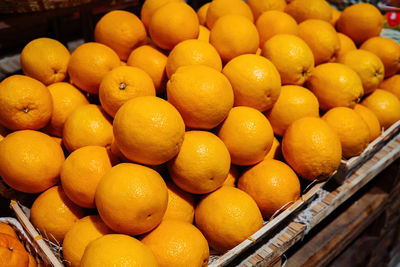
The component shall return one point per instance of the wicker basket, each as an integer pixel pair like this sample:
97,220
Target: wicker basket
25,6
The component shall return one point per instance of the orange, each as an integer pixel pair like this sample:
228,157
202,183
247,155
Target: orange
232,177
150,6
302,10
275,152
202,13
193,52
66,98
180,204
335,16
226,217
12,252
322,38
274,22
122,84
46,60
348,124
202,163
117,250
173,23
234,35
201,94
292,57
178,244
87,125
294,102
7,229
32,261
83,232
152,61
312,148
335,85
3,132
392,84
367,65
258,7
387,50
255,81
204,34
89,63
346,44
247,134
120,30
220,8
360,22
53,214
370,119
131,198
82,171
385,105
148,130
25,103
30,161
272,184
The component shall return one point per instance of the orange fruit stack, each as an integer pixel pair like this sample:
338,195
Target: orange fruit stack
184,129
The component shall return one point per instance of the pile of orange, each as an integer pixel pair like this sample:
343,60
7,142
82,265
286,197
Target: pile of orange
200,124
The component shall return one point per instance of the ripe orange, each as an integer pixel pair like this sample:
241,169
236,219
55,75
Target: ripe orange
387,50
148,130
202,163
89,63
202,13
120,30
360,22
152,61
83,232
258,7
312,148
275,152
180,204
335,85
275,22
82,171
272,184
12,252
30,161
322,38
232,177
302,10
346,44
201,94
294,102
150,6
367,65
7,229
370,119
193,52
122,84
392,84
46,60
66,98
117,250
53,214
247,134
25,103
173,23
385,105
226,217
87,125
348,124
255,81
220,8
335,16
204,34
292,57
234,35
131,198
178,244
